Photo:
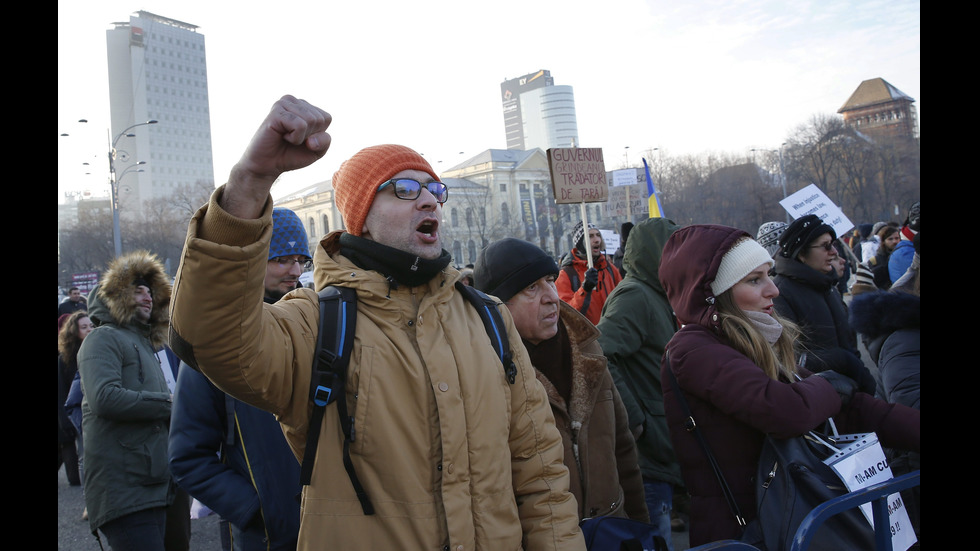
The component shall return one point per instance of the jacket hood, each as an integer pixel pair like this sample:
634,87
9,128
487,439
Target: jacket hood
689,264
645,248
111,301
883,313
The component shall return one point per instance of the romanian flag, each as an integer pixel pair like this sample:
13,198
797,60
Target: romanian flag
652,200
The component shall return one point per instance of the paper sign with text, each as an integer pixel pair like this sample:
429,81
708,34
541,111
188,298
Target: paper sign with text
578,175
810,200
862,464
611,239
624,177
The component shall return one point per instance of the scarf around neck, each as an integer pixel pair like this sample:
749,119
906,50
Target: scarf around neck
766,324
402,267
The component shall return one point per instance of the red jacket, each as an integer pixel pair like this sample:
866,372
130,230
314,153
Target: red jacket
589,304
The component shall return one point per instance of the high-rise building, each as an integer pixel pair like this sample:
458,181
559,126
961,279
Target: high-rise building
537,113
158,71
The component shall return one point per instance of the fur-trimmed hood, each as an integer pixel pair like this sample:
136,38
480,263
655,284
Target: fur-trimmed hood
882,313
111,301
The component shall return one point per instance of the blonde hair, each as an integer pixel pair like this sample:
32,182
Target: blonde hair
778,360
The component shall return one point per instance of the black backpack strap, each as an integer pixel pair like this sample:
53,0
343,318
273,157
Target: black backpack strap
494,325
572,276
573,279
335,339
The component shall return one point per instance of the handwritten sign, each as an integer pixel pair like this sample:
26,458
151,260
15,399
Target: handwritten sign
810,200
578,175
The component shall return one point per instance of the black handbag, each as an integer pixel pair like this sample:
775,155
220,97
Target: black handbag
791,479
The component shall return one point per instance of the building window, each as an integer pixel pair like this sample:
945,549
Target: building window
326,224
469,217
472,252
504,214
454,218
458,252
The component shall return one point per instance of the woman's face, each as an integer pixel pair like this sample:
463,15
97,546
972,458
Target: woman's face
85,326
820,254
755,292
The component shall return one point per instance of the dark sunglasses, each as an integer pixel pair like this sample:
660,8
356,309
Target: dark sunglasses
828,246
409,189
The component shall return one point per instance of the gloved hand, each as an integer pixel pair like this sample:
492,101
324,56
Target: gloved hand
851,366
845,386
591,279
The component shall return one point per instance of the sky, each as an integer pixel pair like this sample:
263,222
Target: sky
689,78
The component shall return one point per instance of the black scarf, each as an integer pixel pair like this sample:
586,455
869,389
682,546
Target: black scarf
398,266
553,358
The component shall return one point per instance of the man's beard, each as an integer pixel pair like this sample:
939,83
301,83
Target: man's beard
274,295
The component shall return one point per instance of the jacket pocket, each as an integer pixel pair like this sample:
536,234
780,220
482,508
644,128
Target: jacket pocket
146,456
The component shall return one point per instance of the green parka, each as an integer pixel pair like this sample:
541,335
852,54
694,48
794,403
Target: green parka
451,455
126,403
636,324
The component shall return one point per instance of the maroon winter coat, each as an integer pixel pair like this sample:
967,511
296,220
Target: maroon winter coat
733,401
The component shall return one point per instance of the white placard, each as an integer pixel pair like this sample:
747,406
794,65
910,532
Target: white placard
810,200
863,464
611,240
624,177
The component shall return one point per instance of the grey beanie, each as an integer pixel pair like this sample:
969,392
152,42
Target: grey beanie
505,267
768,236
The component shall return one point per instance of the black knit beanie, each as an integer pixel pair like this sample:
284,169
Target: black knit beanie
801,232
507,266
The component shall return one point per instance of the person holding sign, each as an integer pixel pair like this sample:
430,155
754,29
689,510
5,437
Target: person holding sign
808,296
583,286
734,360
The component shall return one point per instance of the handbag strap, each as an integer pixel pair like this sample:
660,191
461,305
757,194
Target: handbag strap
691,426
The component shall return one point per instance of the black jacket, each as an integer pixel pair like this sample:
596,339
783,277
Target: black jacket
810,300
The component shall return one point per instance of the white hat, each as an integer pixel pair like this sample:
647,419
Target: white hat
745,256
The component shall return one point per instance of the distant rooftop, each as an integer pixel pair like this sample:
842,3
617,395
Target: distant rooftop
873,92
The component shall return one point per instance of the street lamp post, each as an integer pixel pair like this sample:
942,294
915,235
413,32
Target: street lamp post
114,182
782,177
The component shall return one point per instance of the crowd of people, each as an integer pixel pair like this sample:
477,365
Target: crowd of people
203,390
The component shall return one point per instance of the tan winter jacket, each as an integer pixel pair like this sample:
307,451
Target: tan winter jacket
450,454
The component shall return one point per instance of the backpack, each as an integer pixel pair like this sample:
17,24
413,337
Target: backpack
338,316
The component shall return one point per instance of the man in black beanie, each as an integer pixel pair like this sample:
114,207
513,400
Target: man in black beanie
808,297
569,363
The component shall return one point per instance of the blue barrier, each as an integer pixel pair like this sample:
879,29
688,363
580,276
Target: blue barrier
877,495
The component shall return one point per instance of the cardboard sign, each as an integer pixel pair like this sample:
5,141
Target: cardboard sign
578,175
810,200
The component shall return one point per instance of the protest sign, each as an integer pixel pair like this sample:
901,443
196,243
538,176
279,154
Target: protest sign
810,200
578,174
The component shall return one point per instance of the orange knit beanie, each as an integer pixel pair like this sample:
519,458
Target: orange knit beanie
356,181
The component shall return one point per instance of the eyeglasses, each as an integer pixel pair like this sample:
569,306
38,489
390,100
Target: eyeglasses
410,190
288,262
828,246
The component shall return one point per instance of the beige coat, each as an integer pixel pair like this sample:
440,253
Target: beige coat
450,454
